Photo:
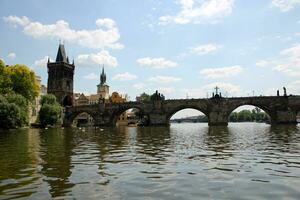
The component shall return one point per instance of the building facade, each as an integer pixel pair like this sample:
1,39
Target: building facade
35,106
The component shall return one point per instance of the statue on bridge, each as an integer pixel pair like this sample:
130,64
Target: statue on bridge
284,92
218,94
157,96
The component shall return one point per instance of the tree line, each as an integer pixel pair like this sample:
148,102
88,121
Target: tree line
254,115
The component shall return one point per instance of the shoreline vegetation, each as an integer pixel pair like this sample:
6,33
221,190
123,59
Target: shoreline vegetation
19,89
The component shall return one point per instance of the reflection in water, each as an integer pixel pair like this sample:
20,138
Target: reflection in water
183,161
56,150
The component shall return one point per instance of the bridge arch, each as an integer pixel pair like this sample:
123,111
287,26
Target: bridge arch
173,111
261,112
128,114
81,115
67,101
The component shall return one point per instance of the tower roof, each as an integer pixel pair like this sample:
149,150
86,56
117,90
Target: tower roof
61,54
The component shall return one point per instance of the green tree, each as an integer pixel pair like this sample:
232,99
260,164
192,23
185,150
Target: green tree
48,99
233,117
245,116
10,115
23,81
22,103
145,97
13,111
50,112
5,82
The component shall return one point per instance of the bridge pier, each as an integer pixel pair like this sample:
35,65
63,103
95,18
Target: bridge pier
158,119
285,117
216,118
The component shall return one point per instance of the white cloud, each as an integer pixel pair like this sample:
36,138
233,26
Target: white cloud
164,79
139,86
293,87
205,49
208,89
105,36
125,77
193,93
285,5
41,62
17,21
101,58
91,76
221,72
289,63
11,55
158,63
166,90
223,87
193,11
262,63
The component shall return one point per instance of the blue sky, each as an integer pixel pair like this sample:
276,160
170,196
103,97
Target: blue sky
180,47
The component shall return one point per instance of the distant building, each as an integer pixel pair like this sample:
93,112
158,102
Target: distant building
116,98
36,106
81,100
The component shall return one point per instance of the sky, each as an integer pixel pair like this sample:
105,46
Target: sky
182,48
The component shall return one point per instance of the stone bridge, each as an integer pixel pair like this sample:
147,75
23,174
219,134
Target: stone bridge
281,109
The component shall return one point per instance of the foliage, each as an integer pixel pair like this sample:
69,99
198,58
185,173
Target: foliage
3,99
249,116
23,81
48,99
22,103
145,97
13,111
5,81
18,79
18,86
10,115
50,112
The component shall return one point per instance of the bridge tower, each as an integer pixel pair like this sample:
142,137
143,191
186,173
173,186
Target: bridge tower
60,78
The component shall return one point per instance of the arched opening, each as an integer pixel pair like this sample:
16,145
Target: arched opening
187,115
67,101
249,113
83,119
131,117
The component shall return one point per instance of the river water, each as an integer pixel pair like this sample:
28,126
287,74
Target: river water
183,161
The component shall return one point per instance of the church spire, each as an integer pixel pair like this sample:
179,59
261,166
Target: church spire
102,77
61,54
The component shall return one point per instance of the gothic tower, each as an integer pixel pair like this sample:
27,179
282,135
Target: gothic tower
103,88
60,77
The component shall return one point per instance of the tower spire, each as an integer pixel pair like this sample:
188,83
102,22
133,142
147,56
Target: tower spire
61,54
102,77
